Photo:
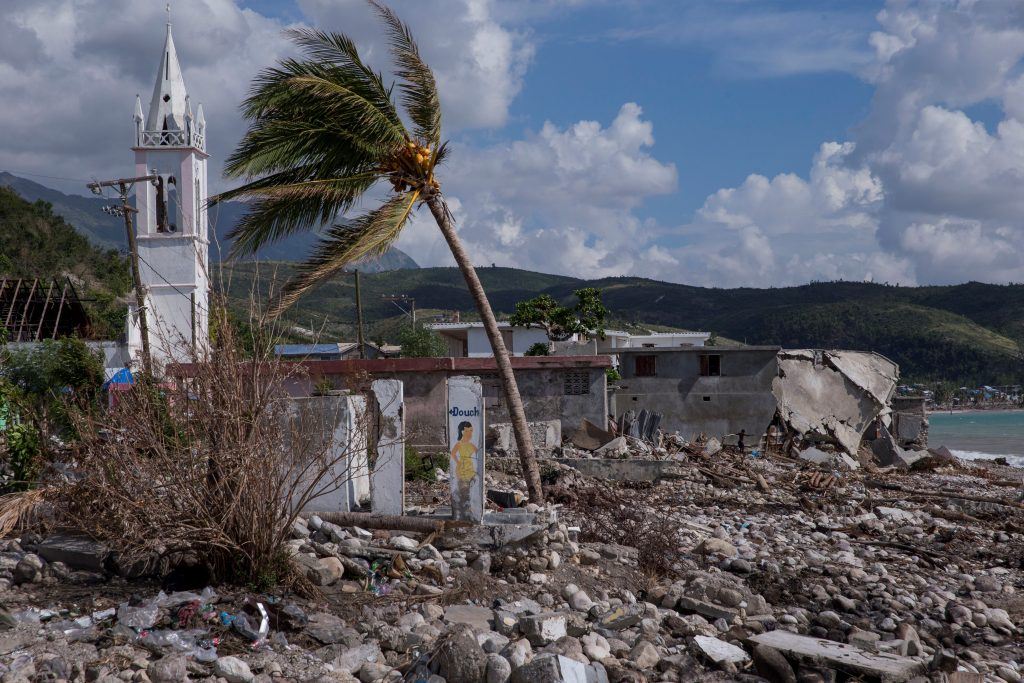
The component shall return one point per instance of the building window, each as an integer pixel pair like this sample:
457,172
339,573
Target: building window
645,366
577,383
710,365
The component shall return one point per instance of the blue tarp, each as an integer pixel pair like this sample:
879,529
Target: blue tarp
122,376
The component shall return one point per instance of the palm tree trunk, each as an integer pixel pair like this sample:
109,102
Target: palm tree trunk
501,357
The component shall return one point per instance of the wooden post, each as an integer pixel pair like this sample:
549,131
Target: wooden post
359,319
140,297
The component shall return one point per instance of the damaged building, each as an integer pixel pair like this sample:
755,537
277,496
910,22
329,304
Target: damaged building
701,390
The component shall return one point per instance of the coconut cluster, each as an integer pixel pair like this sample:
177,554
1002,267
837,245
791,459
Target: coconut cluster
412,167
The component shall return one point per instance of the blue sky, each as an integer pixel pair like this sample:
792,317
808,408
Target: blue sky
715,142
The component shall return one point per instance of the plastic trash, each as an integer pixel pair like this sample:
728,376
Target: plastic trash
103,614
142,616
27,616
245,628
165,639
181,597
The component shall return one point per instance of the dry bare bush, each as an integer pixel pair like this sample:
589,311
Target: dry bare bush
607,514
214,464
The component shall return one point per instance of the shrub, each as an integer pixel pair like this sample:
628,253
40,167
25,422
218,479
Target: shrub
607,515
212,467
538,349
419,342
418,468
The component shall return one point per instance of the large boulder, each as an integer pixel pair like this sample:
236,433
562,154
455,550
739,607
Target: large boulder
460,659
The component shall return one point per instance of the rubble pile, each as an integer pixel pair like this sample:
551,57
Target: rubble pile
778,569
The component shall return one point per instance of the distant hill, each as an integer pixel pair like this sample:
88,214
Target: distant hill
85,213
969,333
35,242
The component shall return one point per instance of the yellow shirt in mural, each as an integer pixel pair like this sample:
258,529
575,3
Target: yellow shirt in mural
462,454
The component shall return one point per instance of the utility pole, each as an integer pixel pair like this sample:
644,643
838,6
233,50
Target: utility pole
123,185
359,318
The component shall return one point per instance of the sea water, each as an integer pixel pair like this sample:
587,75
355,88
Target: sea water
980,434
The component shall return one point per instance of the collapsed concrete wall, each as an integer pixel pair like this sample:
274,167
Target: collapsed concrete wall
833,396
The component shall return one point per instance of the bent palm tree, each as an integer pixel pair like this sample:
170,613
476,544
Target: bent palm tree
323,131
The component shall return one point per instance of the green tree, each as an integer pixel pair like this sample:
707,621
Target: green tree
38,388
560,322
323,130
419,342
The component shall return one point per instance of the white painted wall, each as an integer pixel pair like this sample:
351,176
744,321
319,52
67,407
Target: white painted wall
522,340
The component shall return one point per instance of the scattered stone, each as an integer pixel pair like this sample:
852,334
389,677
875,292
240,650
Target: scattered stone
719,651
460,659
169,669
233,670
771,664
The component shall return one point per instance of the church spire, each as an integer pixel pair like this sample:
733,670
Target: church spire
167,108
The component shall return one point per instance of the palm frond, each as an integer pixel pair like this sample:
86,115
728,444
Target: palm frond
285,203
302,112
441,154
16,508
419,90
338,49
366,236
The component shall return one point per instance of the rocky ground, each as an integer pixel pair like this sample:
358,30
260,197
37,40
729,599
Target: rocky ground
712,573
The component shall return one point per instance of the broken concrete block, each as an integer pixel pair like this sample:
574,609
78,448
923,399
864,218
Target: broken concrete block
712,447
833,395
541,629
589,436
77,552
719,651
477,617
880,667
894,514
617,446
546,436
820,457
551,668
708,610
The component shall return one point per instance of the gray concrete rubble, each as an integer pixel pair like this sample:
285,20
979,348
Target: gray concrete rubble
728,566
545,434
833,396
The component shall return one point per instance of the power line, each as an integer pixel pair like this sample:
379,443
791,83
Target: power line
51,177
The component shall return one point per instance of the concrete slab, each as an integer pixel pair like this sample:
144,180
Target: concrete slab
77,552
387,480
478,617
884,668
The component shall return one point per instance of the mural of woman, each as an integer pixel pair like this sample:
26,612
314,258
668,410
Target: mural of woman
463,464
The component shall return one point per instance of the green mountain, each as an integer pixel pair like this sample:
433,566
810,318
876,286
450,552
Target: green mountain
37,243
104,230
969,333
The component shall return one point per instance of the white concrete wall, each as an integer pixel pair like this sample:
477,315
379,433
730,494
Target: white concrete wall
522,340
342,420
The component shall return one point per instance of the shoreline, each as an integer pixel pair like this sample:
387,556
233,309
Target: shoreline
963,411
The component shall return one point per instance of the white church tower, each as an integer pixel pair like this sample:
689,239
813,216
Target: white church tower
172,229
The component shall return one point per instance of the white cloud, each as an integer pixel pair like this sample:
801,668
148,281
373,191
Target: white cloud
758,39
68,100
560,200
922,193
479,63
